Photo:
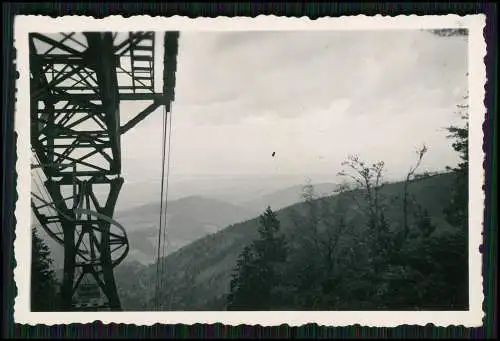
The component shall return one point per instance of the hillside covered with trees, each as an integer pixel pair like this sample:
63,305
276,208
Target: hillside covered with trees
372,245
370,249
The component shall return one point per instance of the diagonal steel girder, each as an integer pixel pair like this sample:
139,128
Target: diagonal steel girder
58,116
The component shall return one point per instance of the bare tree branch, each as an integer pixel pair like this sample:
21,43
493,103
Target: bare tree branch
420,152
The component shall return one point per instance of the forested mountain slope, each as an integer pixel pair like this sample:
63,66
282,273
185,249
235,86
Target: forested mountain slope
198,275
188,218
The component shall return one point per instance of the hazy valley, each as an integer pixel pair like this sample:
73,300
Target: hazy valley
198,274
188,219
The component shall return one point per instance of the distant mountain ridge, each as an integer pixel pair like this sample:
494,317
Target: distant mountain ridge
191,205
287,196
194,217
188,219
199,273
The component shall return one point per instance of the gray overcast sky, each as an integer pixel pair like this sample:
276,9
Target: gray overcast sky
311,97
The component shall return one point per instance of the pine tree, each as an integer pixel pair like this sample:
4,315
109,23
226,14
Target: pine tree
270,248
456,273
456,212
241,292
256,274
43,282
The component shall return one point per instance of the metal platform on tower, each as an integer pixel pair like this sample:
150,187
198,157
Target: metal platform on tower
78,81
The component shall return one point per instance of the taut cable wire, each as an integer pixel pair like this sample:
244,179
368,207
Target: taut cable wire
164,251
157,291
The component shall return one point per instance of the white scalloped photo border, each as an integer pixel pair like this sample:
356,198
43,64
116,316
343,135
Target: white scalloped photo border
477,80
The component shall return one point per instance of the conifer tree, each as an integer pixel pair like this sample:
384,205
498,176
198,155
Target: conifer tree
256,273
456,273
456,212
241,294
43,282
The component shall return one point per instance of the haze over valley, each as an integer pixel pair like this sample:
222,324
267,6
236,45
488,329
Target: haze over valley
193,217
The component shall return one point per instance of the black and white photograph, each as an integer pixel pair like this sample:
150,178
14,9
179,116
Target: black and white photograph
227,171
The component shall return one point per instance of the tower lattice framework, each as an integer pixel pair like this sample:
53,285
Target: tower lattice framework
78,81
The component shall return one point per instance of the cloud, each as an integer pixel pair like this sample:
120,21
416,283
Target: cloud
311,97
229,76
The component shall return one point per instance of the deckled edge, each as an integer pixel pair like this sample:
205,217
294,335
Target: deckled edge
238,23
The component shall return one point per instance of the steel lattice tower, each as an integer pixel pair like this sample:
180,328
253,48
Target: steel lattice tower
77,83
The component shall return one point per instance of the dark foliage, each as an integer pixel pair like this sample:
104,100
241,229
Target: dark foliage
457,210
256,278
375,261
44,295
369,246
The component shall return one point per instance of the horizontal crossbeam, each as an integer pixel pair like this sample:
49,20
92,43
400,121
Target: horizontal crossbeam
78,81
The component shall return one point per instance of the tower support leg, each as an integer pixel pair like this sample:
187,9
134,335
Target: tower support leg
89,242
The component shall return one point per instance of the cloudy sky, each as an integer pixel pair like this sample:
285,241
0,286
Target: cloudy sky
311,97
